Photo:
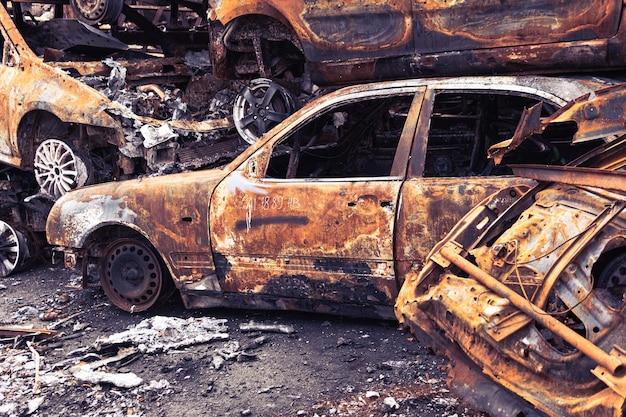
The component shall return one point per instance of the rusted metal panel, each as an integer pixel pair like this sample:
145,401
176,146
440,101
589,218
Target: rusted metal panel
350,25
586,177
469,24
431,207
540,303
172,221
318,241
357,40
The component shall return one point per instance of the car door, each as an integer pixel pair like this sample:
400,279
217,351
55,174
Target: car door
449,171
347,30
311,215
443,26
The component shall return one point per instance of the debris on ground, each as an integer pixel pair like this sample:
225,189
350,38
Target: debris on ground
253,326
260,373
161,334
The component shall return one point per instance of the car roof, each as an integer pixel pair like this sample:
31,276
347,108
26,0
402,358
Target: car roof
566,88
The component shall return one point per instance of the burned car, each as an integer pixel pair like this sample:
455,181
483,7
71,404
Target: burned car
526,293
372,40
327,212
79,108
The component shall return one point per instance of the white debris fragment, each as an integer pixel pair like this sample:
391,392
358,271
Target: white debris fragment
159,385
8,409
253,326
34,404
24,313
161,333
78,327
122,380
154,135
372,394
448,402
391,403
117,77
218,361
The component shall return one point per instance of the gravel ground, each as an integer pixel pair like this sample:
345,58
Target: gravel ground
217,362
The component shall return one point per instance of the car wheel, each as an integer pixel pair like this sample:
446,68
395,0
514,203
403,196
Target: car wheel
260,106
131,275
613,276
58,169
13,249
97,11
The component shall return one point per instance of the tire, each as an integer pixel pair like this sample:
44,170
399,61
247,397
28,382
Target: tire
132,275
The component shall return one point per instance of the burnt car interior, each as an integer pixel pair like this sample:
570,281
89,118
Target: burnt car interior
360,139
354,140
464,125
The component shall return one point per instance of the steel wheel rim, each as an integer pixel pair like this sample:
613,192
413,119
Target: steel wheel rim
260,106
12,249
131,275
58,169
613,277
97,11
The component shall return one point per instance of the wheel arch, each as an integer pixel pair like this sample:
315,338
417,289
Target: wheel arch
225,36
238,10
38,125
33,128
97,240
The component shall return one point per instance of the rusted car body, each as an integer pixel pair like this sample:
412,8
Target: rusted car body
72,116
374,40
527,297
328,212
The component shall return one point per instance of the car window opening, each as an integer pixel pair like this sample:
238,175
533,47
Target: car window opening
464,125
354,140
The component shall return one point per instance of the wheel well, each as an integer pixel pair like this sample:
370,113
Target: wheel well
259,45
34,128
92,142
607,262
99,240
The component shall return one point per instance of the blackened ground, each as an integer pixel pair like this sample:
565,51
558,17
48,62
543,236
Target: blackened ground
329,366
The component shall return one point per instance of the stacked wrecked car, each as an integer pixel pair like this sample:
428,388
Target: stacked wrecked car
529,294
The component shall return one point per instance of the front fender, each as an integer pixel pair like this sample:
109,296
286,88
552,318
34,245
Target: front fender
77,215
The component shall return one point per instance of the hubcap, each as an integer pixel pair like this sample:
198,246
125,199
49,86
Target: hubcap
97,11
13,249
